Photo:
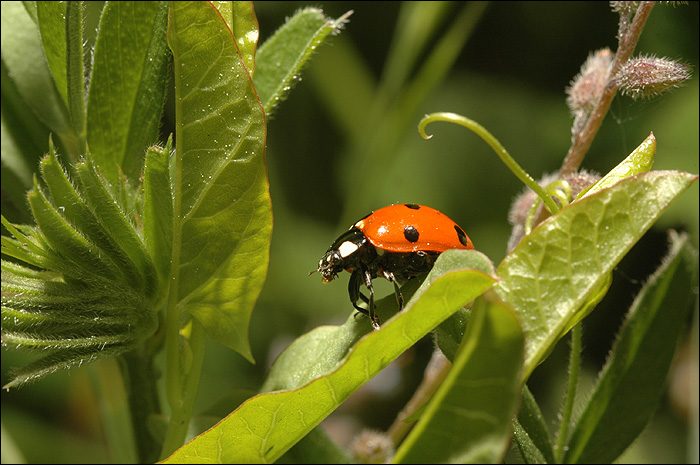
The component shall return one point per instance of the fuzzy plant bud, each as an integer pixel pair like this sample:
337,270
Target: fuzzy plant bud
88,287
588,85
373,447
648,76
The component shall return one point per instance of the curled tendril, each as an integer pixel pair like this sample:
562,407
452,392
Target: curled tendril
496,146
559,189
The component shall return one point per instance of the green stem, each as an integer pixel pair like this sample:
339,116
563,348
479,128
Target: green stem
182,392
495,145
574,365
142,395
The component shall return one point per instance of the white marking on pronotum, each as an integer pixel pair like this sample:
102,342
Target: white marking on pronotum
347,248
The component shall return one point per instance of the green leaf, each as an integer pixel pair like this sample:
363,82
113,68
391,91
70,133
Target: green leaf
531,433
468,420
245,31
75,55
240,19
552,273
25,247
222,212
51,17
115,222
281,58
68,243
23,55
108,240
529,452
158,208
66,359
449,335
632,381
639,161
127,86
321,349
267,425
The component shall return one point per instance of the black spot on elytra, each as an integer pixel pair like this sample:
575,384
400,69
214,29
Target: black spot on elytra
461,235
411,234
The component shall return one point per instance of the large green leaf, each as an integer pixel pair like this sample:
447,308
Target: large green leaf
222,215
468,419
630,386
265,426
127,85
551,275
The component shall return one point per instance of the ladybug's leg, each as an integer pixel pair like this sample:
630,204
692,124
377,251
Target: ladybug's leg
368,282
390,277
357,278
354,291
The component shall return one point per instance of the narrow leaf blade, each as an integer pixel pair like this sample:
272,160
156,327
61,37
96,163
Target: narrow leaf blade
158,208
51,17
630,386
282,56
531,432
639,161
75,66
468,419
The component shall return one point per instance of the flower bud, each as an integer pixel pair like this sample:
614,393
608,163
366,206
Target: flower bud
373,447
648,76
588,85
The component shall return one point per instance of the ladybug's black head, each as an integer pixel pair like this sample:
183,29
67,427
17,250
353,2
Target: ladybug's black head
342,254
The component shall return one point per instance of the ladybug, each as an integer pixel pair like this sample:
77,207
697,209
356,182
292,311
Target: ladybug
397,242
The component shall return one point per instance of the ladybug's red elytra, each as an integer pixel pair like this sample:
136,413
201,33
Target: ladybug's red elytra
396,242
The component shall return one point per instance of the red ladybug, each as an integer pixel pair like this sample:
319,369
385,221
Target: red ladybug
396,242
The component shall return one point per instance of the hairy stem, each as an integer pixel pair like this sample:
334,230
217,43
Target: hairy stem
142,395
582,140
